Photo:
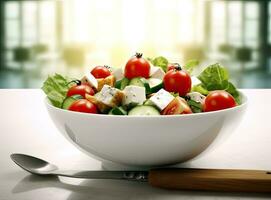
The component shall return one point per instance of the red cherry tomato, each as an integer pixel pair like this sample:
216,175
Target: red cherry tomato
218,100
83,105
100,72
137,67
177,106
178,81
81,90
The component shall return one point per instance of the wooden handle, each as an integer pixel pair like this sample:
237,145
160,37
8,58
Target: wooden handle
225,180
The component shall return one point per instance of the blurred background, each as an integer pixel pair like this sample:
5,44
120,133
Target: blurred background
42,37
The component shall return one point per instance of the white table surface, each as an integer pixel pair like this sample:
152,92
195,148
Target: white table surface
27,128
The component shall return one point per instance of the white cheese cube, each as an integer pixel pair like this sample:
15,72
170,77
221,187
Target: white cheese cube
118,74
90,79
110,96
134,94
161,99
196,96
157,72
195,81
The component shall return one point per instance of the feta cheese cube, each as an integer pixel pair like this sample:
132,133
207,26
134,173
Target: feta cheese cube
161,99
118,74
90,79
110,96
134,94
157,72
196,96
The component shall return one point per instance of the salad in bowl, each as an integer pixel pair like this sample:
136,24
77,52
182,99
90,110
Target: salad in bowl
145,87
150,113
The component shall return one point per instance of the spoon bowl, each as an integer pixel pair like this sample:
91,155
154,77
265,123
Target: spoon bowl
33,165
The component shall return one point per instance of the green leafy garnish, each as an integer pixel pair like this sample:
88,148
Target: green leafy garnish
216,77
191,65
199,88
159,62
195,106
56,87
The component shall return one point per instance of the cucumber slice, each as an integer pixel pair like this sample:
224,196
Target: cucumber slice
121,84
155,84
118,111
144,110
141,82
148,103
69,100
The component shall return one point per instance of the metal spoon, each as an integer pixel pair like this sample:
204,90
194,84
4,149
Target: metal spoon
41,167
226,180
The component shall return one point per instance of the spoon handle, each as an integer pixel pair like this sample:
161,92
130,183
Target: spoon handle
225,180
121,175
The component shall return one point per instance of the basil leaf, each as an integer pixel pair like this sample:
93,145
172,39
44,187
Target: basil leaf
56,87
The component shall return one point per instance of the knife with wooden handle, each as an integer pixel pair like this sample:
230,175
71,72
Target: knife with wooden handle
225,180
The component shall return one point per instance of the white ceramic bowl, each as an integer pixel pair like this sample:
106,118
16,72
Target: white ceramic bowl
145,140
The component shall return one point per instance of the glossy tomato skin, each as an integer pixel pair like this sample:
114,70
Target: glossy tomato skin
81,90
83,105
218,100
177,106
137,67
178,81
100,72
172,66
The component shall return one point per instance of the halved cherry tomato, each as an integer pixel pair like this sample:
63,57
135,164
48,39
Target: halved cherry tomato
83,105
137,67
81,90
218,100
177,106
101,71
178,81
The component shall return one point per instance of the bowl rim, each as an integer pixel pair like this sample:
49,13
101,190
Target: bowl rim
244,104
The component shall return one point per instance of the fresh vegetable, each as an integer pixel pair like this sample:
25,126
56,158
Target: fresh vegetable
218,100
80,90
83,105
121,84
160,61
177,106
137,66
56,87
141,89
118,111
177,80
101,71
144,110
69,100
216,77
195,106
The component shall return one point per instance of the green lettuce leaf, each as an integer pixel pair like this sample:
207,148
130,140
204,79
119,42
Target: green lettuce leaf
56,87
200,88
216,77
159,62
